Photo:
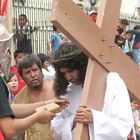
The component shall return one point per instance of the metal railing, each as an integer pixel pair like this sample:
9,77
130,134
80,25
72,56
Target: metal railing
133,20
38,14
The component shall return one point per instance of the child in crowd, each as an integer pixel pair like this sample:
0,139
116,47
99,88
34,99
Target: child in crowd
18,54
12,84
47,69
23,34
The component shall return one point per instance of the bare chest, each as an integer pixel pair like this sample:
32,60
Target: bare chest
41,96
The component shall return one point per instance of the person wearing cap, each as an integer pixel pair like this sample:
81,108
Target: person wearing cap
93,15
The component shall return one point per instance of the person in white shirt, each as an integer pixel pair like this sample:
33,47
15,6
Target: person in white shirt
114,122
47,69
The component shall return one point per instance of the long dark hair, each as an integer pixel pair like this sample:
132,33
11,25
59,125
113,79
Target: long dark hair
71,57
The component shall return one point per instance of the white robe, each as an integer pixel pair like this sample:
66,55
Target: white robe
113,123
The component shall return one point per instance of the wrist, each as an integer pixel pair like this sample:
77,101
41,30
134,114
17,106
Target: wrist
35,117
45,102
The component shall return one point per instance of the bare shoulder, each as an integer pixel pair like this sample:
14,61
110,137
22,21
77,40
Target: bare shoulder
49,84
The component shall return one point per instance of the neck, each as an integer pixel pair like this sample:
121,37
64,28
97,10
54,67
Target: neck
39,94
35,89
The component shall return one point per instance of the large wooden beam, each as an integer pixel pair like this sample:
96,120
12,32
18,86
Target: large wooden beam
88,36
107,18
92,95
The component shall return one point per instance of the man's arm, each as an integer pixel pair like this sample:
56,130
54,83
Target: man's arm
24,110
49,47
134,32
115,121
11,127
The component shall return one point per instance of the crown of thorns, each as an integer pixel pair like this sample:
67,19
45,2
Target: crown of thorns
64,57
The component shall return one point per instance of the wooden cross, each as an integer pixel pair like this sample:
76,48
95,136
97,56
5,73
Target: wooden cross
97,41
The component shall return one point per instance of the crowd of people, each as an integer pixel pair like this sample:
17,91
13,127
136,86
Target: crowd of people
128,40
39,80
16,118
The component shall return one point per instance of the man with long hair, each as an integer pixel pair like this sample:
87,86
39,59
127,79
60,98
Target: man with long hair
114,122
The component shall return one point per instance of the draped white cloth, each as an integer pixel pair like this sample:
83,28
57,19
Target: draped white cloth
113,123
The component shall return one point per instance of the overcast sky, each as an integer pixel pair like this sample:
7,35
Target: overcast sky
129,6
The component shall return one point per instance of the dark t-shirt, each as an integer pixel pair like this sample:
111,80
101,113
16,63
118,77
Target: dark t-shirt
136,44
117,37
25,43
5,109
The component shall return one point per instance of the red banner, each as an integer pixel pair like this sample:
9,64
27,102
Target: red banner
3,4
1,136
